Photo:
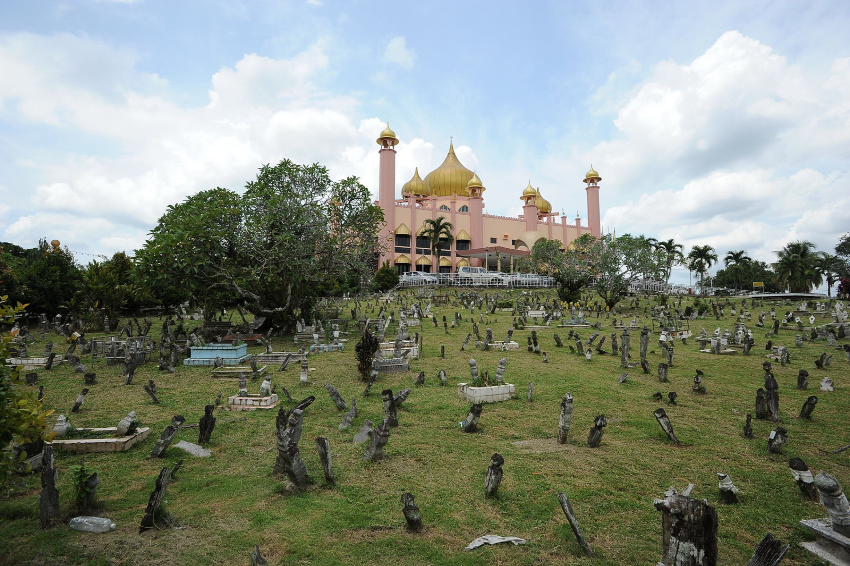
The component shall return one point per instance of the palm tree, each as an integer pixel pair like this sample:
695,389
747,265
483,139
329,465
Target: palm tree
795,267
737,260
831,268
700,259
435,230
672,254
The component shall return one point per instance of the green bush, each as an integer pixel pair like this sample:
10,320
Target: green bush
385,278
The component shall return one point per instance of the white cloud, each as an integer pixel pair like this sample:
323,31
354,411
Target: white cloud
397,53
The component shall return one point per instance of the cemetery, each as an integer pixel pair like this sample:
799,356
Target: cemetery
642,433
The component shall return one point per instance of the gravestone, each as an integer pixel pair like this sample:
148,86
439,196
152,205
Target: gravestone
804,478
379,438
728,490
167,437
411,512
206,424
289,424
493,478
390,412
323,446
470,424
152,511
48,499
664,422
690,531
594,437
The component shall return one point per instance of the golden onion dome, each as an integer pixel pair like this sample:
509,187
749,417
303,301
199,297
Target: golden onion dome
416,186
592,175
541,203
449,178
474,182
387,135
528,192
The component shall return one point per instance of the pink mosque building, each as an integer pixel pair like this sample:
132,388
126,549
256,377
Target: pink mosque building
456,193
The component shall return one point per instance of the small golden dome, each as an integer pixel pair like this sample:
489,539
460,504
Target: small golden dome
450,178
543,205
529,191
416,186
592,175
474,182
387,135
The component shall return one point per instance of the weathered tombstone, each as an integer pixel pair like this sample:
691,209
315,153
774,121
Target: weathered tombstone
288,460
761,404
151,393
769,552
257,558
442,376
566,418
364,433
323,446
305,367
152,511
206,424
420,379
349,416
662,372
49,364
81,398
594,437
493,478
571,518
803,380
336,397
833,498
530,391
826,384
804,478
664,422
772,397
379,438
48,499
558,342
748,426
728,490
390,412
671,397
644,365
808,407
776,441
470,424
690,531
126,426
411,512
167,437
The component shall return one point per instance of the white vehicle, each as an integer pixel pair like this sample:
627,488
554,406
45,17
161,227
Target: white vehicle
479,276
417,278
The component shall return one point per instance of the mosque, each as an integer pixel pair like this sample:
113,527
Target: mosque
457,194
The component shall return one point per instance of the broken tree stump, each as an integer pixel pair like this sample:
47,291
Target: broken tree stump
690,531
565,418
571,518
411,512
323,445
664,421
494,474
152,513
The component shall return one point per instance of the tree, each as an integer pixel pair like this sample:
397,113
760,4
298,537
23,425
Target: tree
22,415
842,248
832,268
700,259
385,278
736,262
438,232
607,265
747,273
292,235
672,254
50,279
796,267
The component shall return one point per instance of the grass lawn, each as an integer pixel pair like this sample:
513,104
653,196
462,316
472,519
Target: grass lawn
226,504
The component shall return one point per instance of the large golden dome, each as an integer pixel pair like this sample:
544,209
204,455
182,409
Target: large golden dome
416,186
542,204
449,178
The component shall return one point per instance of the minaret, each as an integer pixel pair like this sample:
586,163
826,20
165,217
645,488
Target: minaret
529,210
594,221
476,215
386,189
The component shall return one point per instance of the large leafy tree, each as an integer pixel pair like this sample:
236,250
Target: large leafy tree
672,254
607,265
737,262
743,275
831,268
842,248
273,249
796,267
50,279
700,259
439,232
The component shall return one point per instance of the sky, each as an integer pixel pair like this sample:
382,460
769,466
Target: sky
724,123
